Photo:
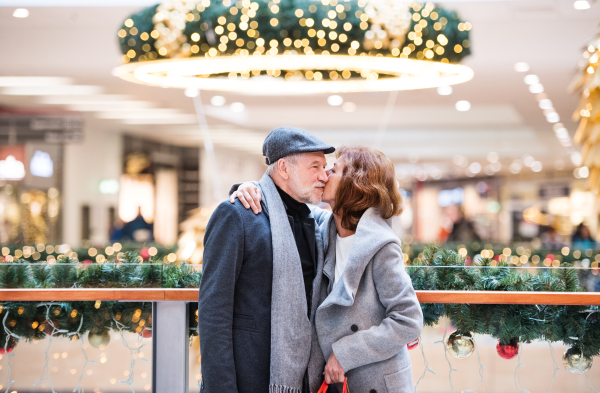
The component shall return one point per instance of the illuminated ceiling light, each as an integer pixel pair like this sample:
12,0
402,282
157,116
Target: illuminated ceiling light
6,81
528,160
475,167
461,161
562,133
91,99
552,117
576,158
217,101
444,90
349,107
531,79
536,166
335,100
150,113
545,104
515,167
370,52
581,5
108,106
237,107
404,74
175,119
583,172
536,88
21,13
496,166
463,106
521,67
492,157
50,90
11,169
191,92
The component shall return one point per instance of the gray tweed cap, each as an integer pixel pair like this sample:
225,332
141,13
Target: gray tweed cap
284,141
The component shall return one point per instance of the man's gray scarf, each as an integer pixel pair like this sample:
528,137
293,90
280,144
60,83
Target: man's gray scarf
290,327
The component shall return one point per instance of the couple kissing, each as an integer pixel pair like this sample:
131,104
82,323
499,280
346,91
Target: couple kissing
298,299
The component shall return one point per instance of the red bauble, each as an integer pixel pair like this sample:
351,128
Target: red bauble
412,344
87,262
8,350
509,350
144,253
9,347
146,333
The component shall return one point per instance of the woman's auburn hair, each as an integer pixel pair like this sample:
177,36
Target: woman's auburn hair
368,180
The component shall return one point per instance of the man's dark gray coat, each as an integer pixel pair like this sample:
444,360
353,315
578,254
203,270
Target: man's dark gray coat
234,306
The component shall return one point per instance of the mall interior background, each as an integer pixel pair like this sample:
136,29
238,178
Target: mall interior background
498,160
97,150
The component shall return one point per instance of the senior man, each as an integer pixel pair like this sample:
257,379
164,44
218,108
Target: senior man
261,273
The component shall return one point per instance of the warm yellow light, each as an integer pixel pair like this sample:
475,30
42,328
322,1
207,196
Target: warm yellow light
182,73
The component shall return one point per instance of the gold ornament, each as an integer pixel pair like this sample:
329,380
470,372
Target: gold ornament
460,346
576,362
588,114
99,340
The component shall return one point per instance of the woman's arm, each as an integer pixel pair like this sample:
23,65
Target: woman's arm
404,320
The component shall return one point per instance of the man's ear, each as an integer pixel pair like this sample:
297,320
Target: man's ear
283,168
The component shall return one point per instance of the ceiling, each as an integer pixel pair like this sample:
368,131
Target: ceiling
550,35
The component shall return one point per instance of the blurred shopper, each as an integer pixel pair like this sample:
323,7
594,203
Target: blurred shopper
262,275
582,238
369,310
138,230
463,230
551,239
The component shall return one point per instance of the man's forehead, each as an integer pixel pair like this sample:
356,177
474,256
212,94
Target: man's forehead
313,156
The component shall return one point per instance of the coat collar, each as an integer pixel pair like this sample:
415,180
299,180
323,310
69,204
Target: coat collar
372,234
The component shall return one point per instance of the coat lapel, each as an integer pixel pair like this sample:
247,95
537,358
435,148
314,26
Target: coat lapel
369,239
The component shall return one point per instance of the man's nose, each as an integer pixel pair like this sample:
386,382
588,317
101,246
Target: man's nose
323,176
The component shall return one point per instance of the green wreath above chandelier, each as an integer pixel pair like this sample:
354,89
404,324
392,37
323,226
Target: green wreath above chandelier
295,46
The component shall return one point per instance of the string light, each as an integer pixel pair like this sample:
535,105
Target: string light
385,25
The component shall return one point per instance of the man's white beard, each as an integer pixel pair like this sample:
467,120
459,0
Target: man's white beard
305,194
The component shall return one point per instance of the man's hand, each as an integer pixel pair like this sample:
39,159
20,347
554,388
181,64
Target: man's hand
249,195
333,371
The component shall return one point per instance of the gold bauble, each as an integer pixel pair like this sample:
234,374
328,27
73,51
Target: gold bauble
99,340
576,362
460,346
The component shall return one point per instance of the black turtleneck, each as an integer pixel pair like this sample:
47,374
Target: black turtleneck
303,228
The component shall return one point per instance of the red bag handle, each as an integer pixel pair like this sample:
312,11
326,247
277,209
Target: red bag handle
324,387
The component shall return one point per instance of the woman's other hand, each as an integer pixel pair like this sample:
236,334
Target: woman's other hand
333,371
249,195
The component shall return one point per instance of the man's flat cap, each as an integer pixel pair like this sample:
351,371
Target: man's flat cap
285,141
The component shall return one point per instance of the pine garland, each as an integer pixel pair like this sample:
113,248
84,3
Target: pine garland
443,269
438,269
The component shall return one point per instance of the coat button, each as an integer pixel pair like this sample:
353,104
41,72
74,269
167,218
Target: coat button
354,328
373,391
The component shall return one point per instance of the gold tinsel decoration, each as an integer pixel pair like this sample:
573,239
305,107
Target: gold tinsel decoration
191,242
588,113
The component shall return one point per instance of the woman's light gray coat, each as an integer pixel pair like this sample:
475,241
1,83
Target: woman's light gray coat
372,312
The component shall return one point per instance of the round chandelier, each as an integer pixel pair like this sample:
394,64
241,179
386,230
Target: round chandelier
286,47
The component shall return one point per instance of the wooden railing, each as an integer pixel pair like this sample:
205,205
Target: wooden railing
191,295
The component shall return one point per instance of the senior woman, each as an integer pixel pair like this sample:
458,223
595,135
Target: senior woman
369,309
